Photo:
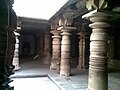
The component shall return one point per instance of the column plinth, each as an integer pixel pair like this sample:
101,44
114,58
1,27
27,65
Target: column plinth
65,69
98,77
55,61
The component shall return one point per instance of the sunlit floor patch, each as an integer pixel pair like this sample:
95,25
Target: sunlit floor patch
37,83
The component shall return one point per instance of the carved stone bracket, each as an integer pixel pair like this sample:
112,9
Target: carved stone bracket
68,17
96,4
102,4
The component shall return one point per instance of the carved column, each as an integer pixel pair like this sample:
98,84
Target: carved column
65,69
100,18
56,47
16,52
66,28
81,63
98,77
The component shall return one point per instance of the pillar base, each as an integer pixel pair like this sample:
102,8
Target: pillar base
5,72
16,64
55,64
17,68
46,59
53,68
98,80
79,67
65,74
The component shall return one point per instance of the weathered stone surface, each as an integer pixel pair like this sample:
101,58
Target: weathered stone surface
65,69
56,50
98,77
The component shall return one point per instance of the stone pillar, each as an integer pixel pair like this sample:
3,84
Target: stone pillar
87,48
98,77
56,47
65,69
84,60
7,26
16,52
81,63
11,47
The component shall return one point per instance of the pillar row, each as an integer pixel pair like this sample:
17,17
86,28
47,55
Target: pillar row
65,69
98,77
56,53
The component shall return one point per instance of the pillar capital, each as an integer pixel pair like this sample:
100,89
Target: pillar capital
82,34
66,31
102,14
56,32
67,28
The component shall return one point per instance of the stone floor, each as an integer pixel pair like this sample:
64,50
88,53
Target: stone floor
34,76
36,83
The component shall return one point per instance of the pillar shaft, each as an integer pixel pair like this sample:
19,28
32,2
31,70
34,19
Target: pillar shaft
81,63
98,77
65,69
55,50
84,52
